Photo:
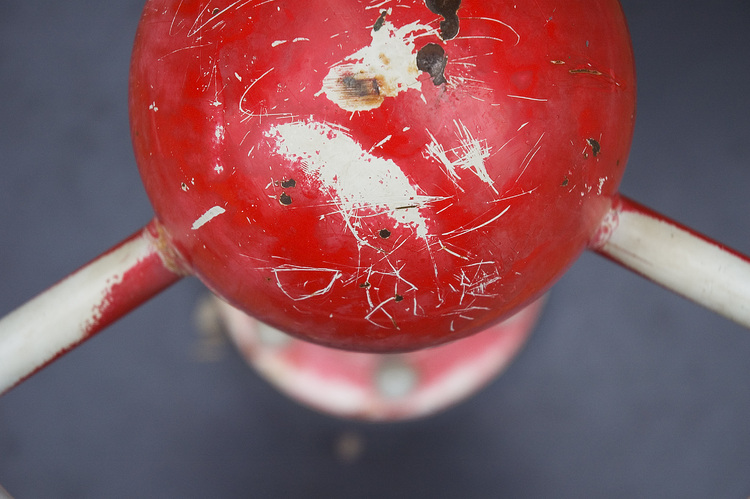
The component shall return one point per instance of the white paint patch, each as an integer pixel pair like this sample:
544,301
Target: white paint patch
470,154
208,216
219,132
390,60
355,178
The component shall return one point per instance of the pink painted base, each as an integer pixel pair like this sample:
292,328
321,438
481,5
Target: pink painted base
378,387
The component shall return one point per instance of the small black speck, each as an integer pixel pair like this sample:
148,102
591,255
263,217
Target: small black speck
595,146
365,285
385,233
399,298
285,199
380,22
288,184
565,181
215,11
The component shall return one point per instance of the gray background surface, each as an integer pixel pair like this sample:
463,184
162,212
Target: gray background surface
623,391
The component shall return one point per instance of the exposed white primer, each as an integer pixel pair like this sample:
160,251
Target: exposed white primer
390,60
355,178
208,216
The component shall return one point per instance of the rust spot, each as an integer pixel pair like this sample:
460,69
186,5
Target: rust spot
361,89
385,233
399,298
596,148
285,199
432,60
448,9
365,285
585,71
288,184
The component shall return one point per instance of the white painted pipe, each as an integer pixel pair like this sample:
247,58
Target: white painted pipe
679,259
80,305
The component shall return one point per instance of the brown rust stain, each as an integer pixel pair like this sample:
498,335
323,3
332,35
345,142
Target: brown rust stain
586,71
364,90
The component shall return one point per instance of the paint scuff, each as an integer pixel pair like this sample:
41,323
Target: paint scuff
360,183
470,155
385,68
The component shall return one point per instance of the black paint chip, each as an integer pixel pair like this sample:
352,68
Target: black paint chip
432,60
448,9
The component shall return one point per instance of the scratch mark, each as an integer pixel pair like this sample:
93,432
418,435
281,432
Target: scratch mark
244,111
479,37
214,15
463,230
294,281
377,6
518,37
470,155
379,307
527,98
184,48
529,157
477,282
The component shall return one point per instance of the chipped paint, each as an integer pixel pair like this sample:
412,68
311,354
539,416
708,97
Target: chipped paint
207,217
359,182
385,68
80,305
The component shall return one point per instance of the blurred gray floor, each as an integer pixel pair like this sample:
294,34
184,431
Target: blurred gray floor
624,390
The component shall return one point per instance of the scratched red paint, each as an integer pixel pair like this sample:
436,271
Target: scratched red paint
313,175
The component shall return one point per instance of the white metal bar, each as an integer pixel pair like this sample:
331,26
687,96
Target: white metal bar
79,306
679,259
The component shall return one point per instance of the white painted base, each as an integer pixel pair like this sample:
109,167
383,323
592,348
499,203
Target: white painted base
377,387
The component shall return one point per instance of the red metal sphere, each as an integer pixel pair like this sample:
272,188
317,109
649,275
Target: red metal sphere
381,176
